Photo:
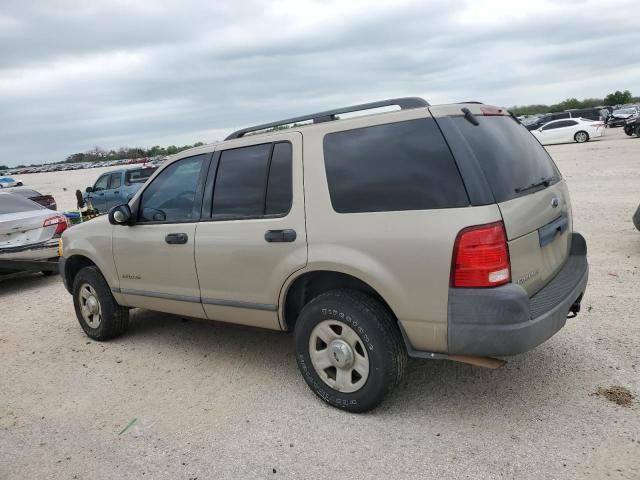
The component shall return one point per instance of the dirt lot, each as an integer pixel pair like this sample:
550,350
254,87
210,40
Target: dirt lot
217,401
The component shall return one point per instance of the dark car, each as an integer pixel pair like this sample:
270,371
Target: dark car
589,113
45,200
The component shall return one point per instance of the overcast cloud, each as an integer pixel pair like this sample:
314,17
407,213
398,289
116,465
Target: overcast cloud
74,75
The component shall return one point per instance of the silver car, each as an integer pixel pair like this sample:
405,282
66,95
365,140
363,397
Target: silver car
29,235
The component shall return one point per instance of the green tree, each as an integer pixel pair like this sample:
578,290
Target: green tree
618,97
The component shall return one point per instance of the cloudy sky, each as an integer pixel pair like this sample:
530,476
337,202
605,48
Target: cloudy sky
113,73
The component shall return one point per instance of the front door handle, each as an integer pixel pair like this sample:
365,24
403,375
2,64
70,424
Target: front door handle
176,238
287,235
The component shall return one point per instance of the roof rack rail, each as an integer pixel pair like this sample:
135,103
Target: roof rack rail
404,103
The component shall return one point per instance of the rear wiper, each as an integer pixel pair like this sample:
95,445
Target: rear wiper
545,181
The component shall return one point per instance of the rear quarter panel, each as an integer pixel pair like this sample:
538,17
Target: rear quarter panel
405,256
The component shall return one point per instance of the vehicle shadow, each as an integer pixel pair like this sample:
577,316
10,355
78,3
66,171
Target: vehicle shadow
429,387
23,281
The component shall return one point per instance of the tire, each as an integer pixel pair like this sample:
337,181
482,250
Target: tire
628,131
79,199
108,319
340,317
581,137
638,131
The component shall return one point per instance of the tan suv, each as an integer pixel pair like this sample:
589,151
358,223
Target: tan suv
428,231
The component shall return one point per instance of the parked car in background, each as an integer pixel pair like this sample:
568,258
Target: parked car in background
29,235
45,200
597,114
115,187
6,182
619,117
569,130
438,231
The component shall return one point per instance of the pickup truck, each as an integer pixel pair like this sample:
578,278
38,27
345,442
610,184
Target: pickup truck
115,187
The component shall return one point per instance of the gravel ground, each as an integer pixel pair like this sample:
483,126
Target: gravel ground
216,401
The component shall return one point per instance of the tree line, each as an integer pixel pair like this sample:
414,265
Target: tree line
97,154
613,99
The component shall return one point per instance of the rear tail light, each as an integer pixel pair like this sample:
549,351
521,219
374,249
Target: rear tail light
481,257
60,221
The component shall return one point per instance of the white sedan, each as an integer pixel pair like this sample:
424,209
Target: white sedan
569,130
29,235
6,182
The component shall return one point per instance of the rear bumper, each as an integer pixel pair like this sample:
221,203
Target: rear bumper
38,257
505,321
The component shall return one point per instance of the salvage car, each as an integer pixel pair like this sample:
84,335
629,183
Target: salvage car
569,130
435,232
29,235
6,182
114,187
45,200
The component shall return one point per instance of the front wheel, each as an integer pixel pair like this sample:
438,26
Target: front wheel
349,349
99,314
581,137
628,131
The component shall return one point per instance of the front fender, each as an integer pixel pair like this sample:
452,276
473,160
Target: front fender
93,240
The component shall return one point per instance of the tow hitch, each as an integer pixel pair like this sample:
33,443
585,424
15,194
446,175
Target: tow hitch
575,308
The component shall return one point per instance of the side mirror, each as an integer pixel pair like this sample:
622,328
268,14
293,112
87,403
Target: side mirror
89,189
120,215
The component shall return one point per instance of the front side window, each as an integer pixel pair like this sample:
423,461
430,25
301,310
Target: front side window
392,167
253,181
116,180
171,197
101,184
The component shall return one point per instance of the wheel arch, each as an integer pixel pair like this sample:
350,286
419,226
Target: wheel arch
72,265
301,289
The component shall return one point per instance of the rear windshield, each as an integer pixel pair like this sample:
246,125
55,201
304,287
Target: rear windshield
10,203
138,175
509,155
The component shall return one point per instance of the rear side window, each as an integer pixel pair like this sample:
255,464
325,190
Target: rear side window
116,180
392,167
10,203
138,175
253,181
508,153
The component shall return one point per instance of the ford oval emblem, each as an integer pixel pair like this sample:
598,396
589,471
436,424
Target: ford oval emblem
555,202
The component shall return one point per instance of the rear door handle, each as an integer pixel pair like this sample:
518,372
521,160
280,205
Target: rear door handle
287,235
176,238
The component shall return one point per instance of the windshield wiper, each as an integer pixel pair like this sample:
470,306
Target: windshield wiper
545,181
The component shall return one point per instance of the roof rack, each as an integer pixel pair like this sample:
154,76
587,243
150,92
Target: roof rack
404,103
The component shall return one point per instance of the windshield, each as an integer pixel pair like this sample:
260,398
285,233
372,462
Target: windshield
10,203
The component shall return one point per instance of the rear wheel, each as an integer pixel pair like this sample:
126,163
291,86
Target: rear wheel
581,137
99,314
349,349
628,130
